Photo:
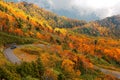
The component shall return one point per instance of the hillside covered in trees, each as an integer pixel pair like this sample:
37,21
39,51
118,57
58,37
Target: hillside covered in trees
108,27
65,54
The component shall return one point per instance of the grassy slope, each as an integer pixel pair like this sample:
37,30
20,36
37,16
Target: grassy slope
3,60
6,38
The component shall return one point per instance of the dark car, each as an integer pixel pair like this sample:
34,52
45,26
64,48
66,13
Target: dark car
13,46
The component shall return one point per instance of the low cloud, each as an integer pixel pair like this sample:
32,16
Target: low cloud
99,8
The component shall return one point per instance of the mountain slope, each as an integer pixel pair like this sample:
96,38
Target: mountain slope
113,23
108,27
71,12
61,54
53,19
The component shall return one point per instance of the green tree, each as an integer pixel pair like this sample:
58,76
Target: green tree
40,67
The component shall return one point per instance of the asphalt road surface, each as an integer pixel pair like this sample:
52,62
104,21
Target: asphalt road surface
110,72
11,56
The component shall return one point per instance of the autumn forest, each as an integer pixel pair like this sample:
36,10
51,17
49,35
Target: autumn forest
53,47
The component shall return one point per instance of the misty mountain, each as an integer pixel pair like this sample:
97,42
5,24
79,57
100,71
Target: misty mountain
107,27
113,23
71,12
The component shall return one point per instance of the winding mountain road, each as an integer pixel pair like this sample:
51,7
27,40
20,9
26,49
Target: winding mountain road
14,59
11,56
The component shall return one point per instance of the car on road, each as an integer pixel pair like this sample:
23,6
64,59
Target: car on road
13,46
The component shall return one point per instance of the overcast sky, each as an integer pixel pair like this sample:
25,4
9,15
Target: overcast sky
101,8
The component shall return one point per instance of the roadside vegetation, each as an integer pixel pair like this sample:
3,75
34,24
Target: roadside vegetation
3,59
